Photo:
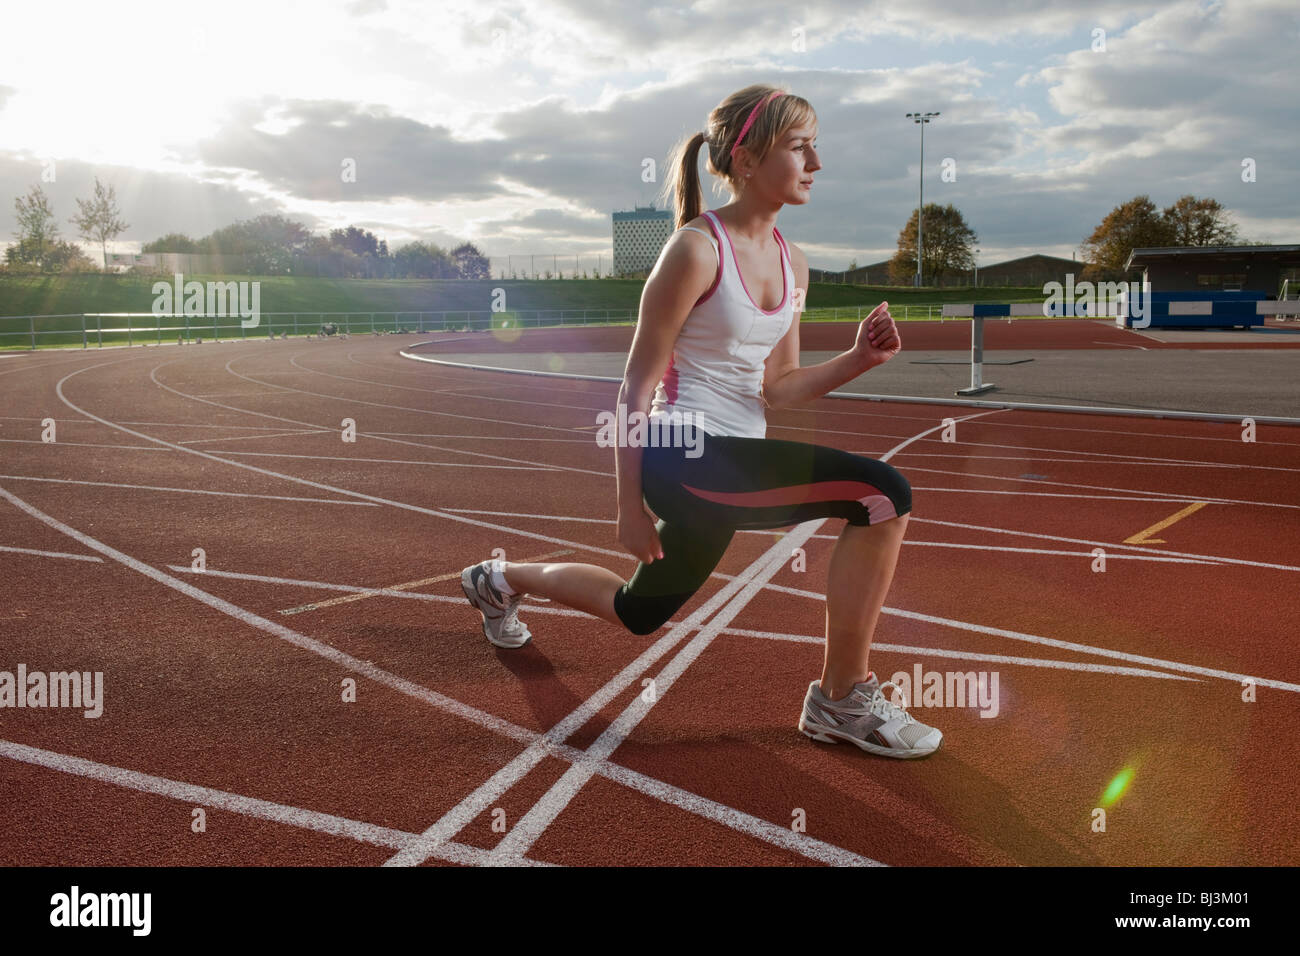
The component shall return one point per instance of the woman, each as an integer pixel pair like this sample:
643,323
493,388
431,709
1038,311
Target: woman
707,345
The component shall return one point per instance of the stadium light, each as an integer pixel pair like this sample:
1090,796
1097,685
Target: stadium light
921,119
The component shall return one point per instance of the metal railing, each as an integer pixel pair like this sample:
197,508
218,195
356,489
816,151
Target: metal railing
113,329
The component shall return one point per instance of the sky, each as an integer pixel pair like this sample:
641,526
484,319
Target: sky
522,126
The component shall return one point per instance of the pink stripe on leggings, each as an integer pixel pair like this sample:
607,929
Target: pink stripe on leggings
879,507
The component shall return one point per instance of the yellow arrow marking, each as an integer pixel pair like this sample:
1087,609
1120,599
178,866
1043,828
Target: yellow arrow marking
1142,536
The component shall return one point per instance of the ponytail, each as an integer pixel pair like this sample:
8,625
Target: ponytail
683,189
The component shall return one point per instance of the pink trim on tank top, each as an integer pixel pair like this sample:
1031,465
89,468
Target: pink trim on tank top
717,279
785,287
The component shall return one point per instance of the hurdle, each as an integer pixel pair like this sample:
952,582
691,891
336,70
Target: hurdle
978,312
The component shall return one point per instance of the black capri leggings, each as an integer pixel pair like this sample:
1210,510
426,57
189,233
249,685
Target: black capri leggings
743,483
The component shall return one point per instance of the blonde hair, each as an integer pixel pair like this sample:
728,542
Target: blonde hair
682,187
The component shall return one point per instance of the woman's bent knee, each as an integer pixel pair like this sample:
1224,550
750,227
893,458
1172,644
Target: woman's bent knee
643,615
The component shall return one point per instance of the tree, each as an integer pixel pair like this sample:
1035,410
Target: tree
1133,225
1200,222
267,243
948,242
172,242
99,218
470,263
355,240
423,260
37,228
29,255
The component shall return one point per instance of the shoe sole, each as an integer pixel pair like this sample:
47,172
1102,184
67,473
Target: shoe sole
831,736
473,598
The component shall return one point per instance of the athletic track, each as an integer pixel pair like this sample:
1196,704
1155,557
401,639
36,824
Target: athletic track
223,688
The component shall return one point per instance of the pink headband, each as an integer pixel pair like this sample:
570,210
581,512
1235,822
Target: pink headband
753,115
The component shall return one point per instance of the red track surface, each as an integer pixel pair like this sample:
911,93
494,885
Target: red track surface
919,336
208,685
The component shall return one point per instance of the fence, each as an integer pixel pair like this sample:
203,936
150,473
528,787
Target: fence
107,329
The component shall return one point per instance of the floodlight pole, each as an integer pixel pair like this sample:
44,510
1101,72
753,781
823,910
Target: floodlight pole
921,119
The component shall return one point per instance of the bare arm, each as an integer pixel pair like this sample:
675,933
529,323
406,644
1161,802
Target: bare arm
785,383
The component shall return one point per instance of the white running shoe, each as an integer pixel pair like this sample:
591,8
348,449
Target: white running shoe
501,624
869,719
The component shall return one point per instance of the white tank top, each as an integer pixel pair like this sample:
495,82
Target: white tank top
716,370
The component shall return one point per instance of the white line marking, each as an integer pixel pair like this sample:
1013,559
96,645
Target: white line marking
530,827
1053,642
571,519
1168,496
391,461
235,803
1048,494
76,444
1109,545
311,484
1134,462
283,434
358,589
456,451
692,803
404,408
52,554
482,798
972,656
189,491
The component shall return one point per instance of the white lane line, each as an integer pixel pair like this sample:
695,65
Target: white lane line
391,461
303,481
403,408
544,744
569,441
570,519
483,797
971,656
989,548
194,794
357,589
1108,545
75,444
1053,642
51,554
1100,455
260,428
273,454
1051,494
189,491
1109,432
282,434
1136,462
332,654
650,786
456,451
530,827
1166,495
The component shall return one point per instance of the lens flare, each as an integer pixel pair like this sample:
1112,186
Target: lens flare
1117,787
506,327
